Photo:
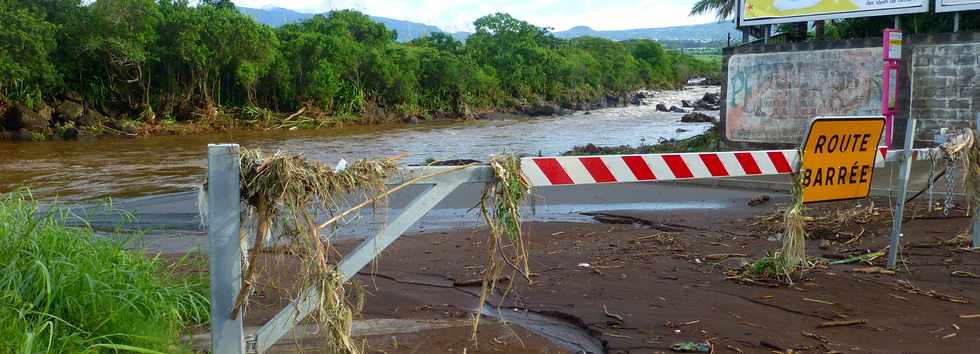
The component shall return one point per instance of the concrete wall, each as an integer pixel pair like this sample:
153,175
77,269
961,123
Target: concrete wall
771,96
773,90
946,90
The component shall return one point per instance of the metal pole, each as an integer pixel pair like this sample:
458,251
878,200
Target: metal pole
898,22
903,184
976,208
765,39
224,251
956,22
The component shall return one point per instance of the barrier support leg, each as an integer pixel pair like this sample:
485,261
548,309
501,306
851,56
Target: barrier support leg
286,319
903,185
224,252
976,208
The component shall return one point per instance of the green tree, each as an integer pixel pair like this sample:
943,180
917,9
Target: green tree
26,40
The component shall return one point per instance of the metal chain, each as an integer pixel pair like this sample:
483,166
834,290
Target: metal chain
932,175
950,185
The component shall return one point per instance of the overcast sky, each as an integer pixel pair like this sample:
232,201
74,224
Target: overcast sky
458,15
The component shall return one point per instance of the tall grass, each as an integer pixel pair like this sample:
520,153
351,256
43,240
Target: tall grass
62,290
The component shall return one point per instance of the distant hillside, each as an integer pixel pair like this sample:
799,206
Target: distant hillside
703,32
276,17
408,30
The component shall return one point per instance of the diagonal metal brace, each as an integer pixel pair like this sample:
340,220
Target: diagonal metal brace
285,320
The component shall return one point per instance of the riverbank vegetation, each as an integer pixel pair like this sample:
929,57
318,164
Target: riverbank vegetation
62,290
125,65
710,140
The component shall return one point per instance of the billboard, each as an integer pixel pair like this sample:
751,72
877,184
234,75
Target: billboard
771,97
957,5
762,12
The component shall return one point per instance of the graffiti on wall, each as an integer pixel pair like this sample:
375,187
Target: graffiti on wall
772,96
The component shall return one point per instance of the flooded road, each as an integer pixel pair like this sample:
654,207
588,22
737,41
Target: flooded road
80,170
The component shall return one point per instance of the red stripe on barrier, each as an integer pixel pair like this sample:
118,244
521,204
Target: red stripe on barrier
677,166
553,171
639,168
779,162
883,151
714,165
600,173
748,163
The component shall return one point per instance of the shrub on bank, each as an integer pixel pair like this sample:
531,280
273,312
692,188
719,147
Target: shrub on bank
63,290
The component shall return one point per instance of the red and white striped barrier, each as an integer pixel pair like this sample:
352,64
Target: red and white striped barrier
553,171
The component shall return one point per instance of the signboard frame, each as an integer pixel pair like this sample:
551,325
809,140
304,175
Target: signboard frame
873,152
742,21
966,6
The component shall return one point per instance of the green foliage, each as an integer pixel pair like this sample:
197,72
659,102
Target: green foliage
63,290
26,41
176,60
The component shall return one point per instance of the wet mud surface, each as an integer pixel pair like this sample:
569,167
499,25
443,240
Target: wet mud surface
642,281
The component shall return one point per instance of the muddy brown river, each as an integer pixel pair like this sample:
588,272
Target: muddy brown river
87,169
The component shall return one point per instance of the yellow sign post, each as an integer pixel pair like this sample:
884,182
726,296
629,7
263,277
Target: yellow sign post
839,158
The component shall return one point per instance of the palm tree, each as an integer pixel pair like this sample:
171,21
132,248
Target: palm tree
722,8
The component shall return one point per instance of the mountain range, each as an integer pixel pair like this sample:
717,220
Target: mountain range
408,30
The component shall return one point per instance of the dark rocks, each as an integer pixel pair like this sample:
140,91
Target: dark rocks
69,133
69,111
73,96
686,104
697,117
681,130
123,125
675,109
613,101
91,118
542,109
662,108
636,101
21,117
711,98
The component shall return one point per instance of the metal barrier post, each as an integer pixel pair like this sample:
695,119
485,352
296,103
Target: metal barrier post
224,252
903,184
976,208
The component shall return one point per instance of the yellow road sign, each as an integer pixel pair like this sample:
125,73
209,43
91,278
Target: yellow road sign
839,157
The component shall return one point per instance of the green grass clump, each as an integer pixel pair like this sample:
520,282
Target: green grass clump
62,290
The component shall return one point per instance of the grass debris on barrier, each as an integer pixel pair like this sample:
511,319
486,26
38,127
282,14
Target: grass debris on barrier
508,244
292,191
782,264
63,290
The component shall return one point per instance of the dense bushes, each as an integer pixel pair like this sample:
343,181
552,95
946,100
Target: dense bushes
166,59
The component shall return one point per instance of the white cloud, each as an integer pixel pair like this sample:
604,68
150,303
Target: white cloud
458,15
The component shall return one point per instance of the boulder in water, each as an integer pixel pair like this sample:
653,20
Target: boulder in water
662,108
636,101
686,104
697,117
711,98
675,109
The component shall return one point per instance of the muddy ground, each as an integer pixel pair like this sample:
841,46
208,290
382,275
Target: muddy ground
642,281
